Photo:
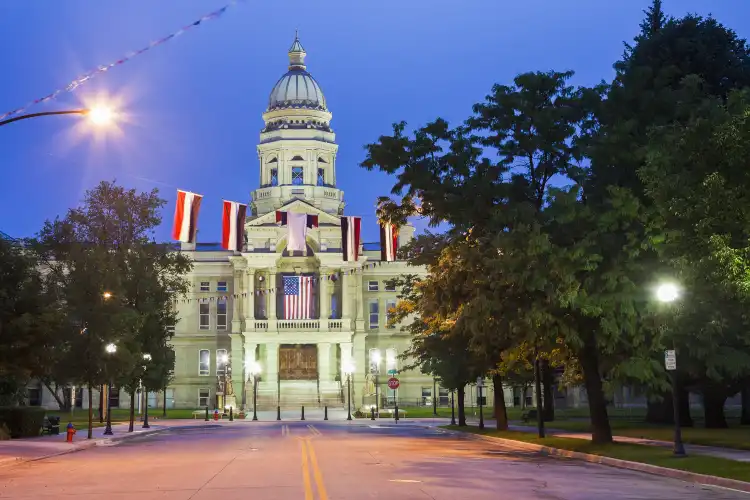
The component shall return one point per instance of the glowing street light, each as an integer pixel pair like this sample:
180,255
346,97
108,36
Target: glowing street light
147,358
255,370
106,295
109,349
668,293
348,371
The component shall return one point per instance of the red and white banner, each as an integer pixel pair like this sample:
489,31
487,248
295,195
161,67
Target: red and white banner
233,225
298,292
350,232
297,224
186,216
388,241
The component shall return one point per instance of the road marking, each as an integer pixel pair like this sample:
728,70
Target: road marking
306,472
316,471
285,430
314,431
404,481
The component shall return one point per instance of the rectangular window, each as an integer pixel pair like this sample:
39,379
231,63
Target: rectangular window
321,177
203,397
79,397
204,319
390,305
274,177
221,315
35,396
372,286
374,314
205,286
426,396
222,360
221,286
204,362
443,396
298,176
390,286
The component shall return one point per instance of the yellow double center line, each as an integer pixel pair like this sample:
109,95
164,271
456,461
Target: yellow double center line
309,460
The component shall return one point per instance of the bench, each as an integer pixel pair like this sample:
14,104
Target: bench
51,426
529,415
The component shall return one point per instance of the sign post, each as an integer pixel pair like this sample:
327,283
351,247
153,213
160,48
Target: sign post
480,385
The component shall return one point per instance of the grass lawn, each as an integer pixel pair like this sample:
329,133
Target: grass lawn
711,466
118,415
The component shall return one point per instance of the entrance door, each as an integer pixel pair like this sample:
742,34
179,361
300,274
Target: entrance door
298,362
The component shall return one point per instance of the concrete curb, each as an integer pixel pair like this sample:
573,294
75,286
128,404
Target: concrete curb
80,446
691,477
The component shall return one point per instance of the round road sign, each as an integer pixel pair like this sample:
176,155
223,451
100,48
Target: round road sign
393,383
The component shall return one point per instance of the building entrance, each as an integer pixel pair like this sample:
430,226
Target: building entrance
298,362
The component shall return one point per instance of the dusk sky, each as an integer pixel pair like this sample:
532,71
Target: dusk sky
193,105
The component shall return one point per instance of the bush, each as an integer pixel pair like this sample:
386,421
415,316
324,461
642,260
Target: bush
22,421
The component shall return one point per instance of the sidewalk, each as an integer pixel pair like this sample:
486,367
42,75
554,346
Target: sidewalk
26,449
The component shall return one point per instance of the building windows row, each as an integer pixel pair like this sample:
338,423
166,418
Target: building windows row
221,286
204,315
298,176
204,362
374,286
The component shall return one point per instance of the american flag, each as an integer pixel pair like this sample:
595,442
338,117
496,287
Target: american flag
298,292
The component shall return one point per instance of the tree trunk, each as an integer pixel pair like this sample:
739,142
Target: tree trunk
524,389
132,410
548,380
538,388
601,432
713,408
461,412
501,414
91,413
164,404
62,402
661,412
745,417
101,403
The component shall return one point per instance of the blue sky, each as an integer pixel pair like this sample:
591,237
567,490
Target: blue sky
193,106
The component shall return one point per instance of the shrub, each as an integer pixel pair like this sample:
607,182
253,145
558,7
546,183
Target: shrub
22,421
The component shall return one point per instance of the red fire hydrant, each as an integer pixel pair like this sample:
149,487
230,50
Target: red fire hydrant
71,430
216,414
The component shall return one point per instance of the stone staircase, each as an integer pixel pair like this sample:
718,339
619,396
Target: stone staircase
295,394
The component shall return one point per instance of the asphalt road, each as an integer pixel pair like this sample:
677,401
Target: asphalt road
328,460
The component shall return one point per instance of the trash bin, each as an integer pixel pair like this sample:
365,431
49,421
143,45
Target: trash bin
54,425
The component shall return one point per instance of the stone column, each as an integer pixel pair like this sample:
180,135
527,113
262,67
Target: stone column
346,354
347,298
250,299
271,366
360,323
324,362
237,287
271,297
325,298
237,361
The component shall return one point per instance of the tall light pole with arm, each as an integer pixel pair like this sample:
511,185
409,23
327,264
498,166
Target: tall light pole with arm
348,370
255,370
109,349
146,359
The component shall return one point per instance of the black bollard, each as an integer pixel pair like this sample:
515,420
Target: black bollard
278,413
303,413
231,415
372,410
396,413
206,413
325,414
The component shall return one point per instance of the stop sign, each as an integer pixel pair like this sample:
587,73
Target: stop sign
393,383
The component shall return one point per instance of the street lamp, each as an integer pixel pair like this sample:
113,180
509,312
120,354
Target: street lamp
255,372
224,361
348,370
146,358
667,293
375,370
106,295
109,349
99,115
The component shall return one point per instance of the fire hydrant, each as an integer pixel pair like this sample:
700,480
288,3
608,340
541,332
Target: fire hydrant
71,429
216,414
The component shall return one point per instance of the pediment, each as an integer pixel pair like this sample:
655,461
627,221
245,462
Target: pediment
298,206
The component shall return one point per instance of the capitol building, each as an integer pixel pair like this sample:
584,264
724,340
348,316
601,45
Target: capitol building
233,322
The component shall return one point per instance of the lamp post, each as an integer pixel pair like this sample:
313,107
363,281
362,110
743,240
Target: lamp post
225,362
667,293
255,370
110,349
375,370
146,358
97,115
348,370
434,396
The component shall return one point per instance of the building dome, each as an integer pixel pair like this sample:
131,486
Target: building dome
297,88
